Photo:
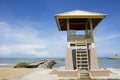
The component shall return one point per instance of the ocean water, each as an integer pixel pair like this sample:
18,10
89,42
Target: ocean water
103,62
109,63
14,61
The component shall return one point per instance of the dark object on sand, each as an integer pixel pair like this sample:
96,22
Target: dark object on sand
21,65
46,64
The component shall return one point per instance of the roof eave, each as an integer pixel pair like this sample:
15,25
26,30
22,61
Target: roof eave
100,21
84,16
58,25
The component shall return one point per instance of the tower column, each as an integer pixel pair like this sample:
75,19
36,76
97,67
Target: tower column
91,28
93,55
93,58
69,55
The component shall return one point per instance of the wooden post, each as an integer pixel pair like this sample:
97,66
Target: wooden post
86,30
91,28
68,28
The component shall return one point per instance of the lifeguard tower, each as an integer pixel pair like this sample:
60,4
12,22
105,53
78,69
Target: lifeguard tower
81,58
81,52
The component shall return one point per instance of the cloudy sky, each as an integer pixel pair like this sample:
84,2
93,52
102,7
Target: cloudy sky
28,28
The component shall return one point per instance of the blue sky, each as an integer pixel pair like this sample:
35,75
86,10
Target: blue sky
28,28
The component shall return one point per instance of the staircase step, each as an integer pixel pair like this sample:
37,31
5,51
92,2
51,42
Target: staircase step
84,75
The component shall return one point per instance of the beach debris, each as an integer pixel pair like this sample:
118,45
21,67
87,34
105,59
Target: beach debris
46,64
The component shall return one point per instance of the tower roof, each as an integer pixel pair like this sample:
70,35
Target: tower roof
80,13
78,19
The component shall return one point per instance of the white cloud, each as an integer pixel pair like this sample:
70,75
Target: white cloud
109,37
24,49
25,39
20,39
38,53
27,46
5,51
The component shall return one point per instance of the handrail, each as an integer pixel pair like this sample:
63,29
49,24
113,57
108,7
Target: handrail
79,37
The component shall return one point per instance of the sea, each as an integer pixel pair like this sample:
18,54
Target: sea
103,62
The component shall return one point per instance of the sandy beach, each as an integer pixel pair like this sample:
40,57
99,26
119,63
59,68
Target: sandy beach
8,72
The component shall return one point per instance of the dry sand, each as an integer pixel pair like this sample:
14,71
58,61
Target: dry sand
8,72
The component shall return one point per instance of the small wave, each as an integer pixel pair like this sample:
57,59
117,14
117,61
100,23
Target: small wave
5,64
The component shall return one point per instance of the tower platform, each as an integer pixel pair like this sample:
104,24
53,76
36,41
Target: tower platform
83,74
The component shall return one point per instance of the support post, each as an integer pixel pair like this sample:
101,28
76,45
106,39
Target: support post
68,28
93,56
91,28
69,56
86,30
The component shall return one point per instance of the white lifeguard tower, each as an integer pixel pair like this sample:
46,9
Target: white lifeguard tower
81,53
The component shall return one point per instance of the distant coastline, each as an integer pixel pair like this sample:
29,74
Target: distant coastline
114,57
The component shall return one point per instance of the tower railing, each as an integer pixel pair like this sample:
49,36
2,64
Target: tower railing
72,38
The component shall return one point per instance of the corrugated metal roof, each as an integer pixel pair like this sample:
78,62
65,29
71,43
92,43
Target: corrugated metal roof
80,13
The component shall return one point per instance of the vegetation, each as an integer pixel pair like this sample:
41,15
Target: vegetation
47,64
21,65
51,63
